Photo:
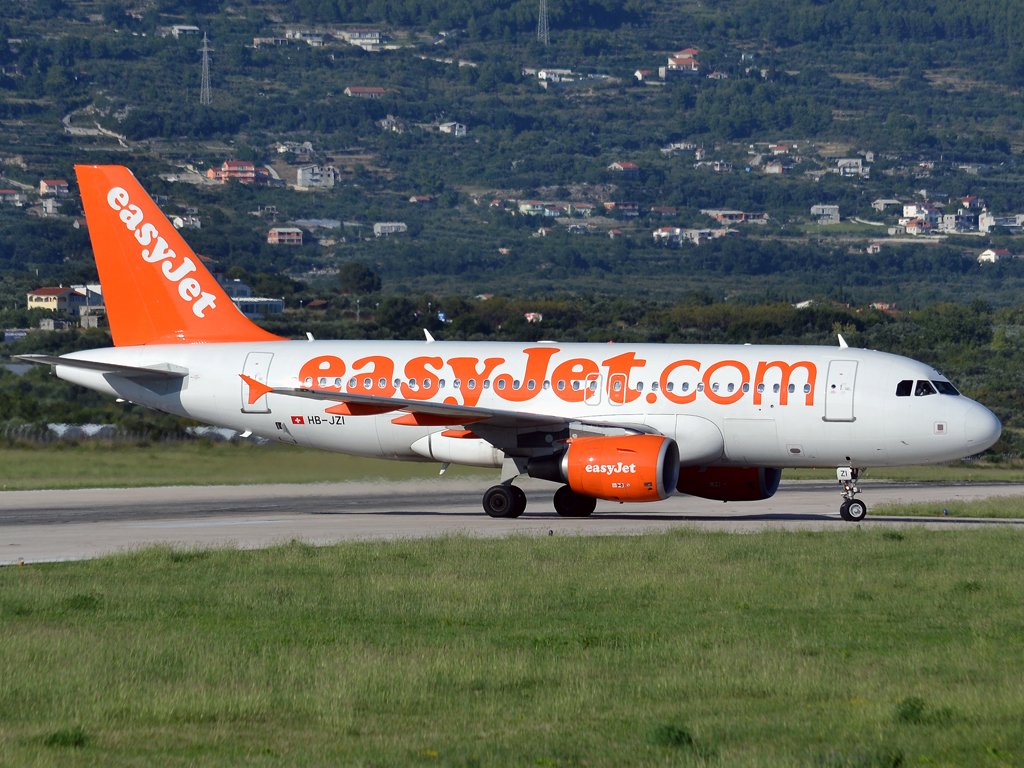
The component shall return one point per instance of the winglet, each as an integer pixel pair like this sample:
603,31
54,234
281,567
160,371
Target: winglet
257,389
842,342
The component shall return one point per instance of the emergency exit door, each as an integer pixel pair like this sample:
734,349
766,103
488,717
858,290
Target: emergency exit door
257,366
842,375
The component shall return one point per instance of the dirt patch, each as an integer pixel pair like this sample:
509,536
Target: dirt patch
879,83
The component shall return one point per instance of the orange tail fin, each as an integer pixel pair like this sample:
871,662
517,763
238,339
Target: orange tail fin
155,288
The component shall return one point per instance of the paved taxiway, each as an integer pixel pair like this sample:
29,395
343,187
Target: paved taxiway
59,525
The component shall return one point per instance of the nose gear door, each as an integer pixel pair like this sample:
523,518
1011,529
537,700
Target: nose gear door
842,375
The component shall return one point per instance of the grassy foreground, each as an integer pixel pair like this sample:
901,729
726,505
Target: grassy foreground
859,648
1006,508
102,465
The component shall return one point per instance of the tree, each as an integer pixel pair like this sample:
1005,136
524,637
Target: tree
357,278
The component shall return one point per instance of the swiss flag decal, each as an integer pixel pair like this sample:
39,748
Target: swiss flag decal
298,420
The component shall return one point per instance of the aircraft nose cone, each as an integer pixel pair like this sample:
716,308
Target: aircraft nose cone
982,428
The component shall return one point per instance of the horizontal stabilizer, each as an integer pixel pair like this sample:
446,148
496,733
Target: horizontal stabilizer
159,372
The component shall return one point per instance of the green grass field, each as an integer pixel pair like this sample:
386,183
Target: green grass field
994,507
100,465
97,464
856,648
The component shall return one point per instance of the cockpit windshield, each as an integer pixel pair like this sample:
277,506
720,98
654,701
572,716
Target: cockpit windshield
945,388
923,388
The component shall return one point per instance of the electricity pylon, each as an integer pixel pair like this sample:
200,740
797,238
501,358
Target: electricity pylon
205,95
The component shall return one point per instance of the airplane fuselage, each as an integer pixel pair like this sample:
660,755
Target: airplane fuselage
725,405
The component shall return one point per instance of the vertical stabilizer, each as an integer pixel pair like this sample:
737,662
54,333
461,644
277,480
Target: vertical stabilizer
156,290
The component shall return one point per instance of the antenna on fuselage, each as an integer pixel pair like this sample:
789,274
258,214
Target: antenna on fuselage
842,342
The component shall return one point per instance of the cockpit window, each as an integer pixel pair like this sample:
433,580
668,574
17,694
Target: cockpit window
945,388
904,388
924,388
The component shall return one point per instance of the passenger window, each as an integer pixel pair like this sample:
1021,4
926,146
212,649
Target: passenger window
639,386
945,388
924,388
904,387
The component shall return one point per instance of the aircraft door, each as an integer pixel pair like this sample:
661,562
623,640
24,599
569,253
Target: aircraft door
842,374
257,366
617,388
592,393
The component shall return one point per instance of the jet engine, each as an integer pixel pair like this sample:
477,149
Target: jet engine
729,483
619,468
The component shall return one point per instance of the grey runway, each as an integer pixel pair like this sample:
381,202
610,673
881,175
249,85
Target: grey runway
40,526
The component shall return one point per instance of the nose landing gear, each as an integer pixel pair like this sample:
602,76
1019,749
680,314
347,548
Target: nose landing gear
852,509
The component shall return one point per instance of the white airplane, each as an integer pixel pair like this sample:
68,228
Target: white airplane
620,422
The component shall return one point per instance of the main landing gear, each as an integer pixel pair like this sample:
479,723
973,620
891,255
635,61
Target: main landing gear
510,501
569,504
853,510
505,501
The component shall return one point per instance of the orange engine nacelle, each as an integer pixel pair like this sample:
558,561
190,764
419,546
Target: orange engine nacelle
729,483
627,468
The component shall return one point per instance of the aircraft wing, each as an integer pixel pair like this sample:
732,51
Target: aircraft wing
161,372
426,413
423,413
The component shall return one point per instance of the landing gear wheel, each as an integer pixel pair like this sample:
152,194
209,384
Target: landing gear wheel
844,510
569,504
520,505
500,501
856,510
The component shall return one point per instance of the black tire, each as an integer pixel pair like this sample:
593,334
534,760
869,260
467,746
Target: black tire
856,511
844,510
520,506
569,504
499,501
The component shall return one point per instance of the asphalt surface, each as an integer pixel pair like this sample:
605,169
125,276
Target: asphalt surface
42,526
